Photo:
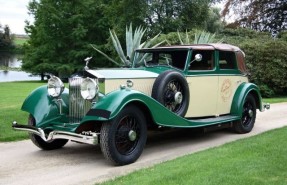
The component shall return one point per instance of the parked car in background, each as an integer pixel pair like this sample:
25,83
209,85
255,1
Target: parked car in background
191,86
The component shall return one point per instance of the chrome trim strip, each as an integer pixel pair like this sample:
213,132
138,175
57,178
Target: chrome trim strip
93,139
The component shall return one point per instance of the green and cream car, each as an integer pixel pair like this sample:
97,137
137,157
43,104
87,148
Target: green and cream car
188,86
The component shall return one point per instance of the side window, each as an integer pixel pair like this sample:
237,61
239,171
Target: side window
227,60
207,62
164,58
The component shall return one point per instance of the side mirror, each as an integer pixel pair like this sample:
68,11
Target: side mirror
198,57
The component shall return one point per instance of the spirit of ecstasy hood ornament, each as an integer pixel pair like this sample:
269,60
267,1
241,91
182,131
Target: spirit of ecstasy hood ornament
87,60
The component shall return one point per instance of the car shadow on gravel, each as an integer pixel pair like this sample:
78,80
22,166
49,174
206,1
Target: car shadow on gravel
81,153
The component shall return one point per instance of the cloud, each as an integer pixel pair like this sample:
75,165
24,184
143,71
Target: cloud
14,13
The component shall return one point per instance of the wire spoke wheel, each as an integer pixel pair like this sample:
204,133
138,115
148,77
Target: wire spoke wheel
172,88
246,123
123,138
172,91
127,135
247,114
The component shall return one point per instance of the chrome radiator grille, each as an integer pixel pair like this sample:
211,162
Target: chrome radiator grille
78,107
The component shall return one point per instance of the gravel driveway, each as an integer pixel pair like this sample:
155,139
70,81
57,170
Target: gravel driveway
22,163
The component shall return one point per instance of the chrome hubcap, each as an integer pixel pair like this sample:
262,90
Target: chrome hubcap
132,135
178,98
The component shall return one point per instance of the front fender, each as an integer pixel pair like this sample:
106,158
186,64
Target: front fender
43,107
110,105
242,91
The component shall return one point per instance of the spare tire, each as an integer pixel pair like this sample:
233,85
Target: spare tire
171,90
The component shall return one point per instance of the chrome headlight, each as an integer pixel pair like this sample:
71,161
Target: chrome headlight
89,89
55,86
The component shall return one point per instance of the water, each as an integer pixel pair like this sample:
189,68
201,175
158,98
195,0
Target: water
13,61
9,76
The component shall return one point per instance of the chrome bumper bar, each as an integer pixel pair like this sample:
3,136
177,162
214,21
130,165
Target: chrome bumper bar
88,139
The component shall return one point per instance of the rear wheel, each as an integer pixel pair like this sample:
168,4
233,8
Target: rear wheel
246,123
122,139
39,142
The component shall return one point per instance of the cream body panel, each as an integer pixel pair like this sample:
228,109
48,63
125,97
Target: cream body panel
227,88
203,96
142,85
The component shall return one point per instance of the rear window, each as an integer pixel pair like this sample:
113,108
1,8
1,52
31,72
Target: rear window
227,60
240,62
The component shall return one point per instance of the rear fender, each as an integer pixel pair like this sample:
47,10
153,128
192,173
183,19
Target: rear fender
44,108
242,91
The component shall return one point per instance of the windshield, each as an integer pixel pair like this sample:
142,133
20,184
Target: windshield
154,58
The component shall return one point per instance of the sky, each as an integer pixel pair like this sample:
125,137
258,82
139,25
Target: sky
14,13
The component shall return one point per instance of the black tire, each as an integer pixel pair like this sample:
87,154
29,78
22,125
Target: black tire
122,139
164,90
39,142
246,123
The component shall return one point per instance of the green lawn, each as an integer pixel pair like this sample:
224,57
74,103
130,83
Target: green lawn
20,41
259,160
12,96
275,100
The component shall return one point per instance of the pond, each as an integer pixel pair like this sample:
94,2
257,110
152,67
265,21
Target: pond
8,60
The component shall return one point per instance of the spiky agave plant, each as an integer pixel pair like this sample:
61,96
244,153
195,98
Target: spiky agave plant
201,37
133,42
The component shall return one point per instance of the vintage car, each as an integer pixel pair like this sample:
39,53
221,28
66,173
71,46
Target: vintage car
187,86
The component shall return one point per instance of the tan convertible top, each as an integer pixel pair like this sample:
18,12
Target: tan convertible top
222,47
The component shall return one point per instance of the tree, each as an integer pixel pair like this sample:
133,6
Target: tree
214,23
261,15
172,15
61,35
162,16
6,38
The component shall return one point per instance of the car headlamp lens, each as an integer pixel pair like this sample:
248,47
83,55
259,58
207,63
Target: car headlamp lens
89,89
55,86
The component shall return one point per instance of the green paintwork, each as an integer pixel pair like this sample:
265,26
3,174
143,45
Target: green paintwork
238,100
44,108
114,102
117,100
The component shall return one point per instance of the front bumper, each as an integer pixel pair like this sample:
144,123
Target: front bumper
91,138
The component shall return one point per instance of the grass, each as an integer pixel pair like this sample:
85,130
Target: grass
275,100
257,160
19,41
12,96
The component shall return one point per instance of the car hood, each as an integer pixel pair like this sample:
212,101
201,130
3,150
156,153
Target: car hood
122,73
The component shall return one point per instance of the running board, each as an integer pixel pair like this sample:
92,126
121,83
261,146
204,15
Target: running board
214,120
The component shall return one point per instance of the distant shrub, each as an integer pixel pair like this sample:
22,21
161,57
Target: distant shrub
266,58
267,63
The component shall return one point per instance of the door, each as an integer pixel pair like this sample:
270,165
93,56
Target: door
203,85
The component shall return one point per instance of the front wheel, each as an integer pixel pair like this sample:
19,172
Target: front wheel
39,142
246,123
122,139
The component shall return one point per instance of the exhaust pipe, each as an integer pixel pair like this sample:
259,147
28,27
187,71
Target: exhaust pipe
56,134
